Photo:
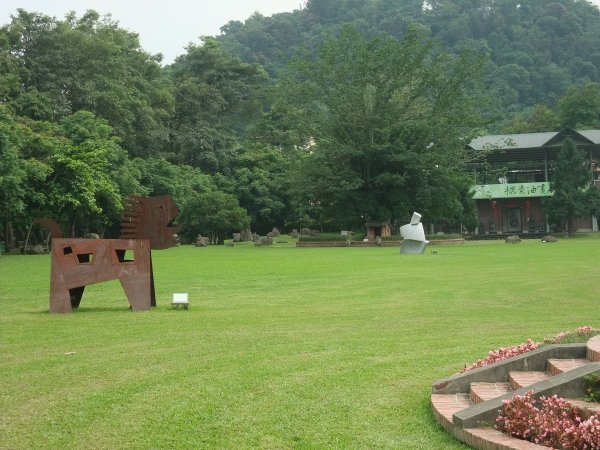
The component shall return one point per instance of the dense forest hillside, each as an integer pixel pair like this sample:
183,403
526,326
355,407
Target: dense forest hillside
536,49
343,112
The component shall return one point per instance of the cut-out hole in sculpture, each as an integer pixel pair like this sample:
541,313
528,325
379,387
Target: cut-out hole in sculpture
67,250
125,255
85,258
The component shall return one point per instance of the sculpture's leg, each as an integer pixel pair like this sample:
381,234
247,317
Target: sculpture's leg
76,294
60,301
60,297
138,291
152,291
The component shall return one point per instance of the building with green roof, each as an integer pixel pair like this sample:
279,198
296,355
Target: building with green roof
515,175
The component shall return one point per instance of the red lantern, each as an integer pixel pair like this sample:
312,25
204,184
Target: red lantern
528,209
495,210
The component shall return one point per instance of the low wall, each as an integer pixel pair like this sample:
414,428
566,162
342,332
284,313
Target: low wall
343,244
446,241
314,244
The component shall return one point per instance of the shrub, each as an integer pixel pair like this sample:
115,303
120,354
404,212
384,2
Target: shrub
592,387
550,421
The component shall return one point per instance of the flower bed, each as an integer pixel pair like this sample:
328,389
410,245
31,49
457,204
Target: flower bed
502,353
549,421
581,334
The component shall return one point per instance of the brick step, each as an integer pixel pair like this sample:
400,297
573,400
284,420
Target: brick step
519,379
558,366
488,438
481,392
445,405
593,349
455,410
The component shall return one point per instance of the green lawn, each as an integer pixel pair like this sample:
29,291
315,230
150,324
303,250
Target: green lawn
283,347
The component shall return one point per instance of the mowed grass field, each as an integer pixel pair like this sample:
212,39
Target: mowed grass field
283,347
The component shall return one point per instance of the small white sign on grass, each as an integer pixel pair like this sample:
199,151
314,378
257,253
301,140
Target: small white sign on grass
180,300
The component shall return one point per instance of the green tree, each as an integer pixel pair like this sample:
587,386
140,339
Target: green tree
579,107
161,177
260,182
216,98
89,63
389,121
570,181
214,214
541,119
12,192
23,171
82,186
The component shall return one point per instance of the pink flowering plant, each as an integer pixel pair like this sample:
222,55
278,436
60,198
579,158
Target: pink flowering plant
503,353
581,334
549,421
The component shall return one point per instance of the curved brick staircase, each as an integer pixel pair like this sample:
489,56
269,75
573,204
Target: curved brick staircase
467,404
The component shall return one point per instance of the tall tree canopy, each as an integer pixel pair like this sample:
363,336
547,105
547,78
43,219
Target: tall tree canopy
57,67
389,121
216,98
580,106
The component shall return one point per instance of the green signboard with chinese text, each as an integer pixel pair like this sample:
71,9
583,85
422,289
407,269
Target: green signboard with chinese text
511,190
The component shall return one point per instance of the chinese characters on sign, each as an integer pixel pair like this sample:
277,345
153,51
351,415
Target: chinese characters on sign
512,190
522,189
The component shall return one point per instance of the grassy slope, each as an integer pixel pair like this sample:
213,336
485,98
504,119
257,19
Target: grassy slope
282,348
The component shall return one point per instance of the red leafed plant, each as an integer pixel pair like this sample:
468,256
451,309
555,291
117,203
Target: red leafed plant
549,421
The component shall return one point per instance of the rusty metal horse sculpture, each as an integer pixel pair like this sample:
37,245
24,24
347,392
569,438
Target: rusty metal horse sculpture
77,263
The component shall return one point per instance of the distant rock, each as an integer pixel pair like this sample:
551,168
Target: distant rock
549,239
514,239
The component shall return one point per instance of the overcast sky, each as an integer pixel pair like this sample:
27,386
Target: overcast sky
164,26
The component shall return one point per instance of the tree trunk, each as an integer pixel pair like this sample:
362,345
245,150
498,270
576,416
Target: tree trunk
8,236
6,243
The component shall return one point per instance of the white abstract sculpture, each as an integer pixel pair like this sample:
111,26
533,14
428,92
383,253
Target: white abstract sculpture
413,236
